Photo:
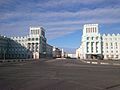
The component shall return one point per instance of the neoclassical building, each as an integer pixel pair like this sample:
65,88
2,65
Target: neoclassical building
97,46
33,45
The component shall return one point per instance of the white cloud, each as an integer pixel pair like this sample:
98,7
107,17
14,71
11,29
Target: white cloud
56,3
60,23
5,1
98,12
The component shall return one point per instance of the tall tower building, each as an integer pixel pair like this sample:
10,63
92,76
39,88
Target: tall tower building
96,46
91,42
35,42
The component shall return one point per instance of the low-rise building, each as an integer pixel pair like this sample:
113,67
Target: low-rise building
70,55
57,53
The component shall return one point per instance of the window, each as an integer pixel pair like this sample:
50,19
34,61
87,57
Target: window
96,50
36,39
92,49
111,44
107,44
116,44
92,44
95,30
29,44
87,44
116,56
31,31
87,47
92,38
87,38
96,38
97,43
32,39
112,56
32,44
28,39
107,56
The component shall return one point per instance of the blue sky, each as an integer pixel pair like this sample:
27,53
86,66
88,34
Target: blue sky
62,19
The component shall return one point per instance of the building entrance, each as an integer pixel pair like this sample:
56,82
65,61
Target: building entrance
93,56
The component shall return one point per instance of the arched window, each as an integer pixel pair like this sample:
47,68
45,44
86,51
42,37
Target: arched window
93,29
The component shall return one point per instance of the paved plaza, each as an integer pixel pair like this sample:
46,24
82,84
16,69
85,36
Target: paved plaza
66,74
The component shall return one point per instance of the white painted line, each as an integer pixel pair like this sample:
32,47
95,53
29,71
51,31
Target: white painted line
83,61
94,62
104,63
116,64
88,62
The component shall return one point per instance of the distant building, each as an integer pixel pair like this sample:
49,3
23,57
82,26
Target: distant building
32,46
57,53
97,46
78,53
71,55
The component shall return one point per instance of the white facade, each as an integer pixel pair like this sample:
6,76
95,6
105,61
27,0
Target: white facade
57,53
96,46
71,55
35,43
111,46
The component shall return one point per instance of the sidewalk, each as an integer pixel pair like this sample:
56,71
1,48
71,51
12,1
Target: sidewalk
103,62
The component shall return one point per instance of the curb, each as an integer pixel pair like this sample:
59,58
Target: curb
100,63
15,60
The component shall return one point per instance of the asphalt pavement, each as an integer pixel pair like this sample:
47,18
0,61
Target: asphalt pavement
66,74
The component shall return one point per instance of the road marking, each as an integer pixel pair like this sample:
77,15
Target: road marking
116,64
87,62
104,63
94,62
